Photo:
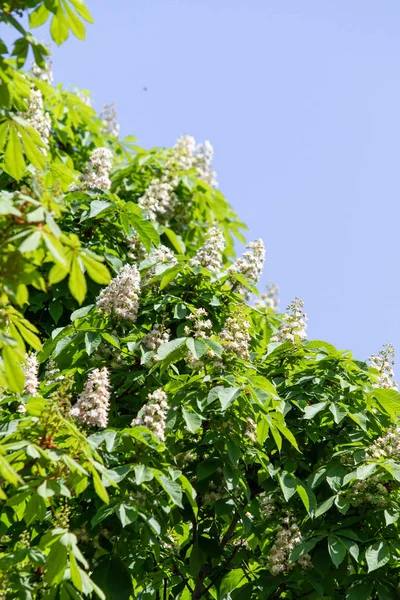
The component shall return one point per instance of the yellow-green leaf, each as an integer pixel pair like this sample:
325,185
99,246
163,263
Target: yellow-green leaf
59,27
14,163
14,373
76,25
39,16
82,10
33,153
77,281
96,270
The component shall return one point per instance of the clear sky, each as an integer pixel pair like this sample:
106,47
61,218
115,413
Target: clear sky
301,101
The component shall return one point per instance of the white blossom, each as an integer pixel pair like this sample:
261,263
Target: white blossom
250,264
236,336
203,163
288,537
387,446
43,74
153,414
97,171
158,197
137,252
109,118
159,256
37,117
121,297
156,337
209,254
270,299
293,324
52,373
187,155
31,368
201,327
383,362
93,403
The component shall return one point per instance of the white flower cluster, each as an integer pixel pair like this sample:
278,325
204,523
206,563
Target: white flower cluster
52,373
270,299
109,117
121,297
293,324
31,368
250,264
36,115
156,337
387,446
267,505
216,492
209,254
153,414
158,197
93,403
369,491
251,429
43,74
97,171
201,327
288,537
84,97
137,252
383,362
187,155
204,166
160,256
236,336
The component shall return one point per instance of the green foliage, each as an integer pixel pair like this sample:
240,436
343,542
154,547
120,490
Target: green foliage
227,467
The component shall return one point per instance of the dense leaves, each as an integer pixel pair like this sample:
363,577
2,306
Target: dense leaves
160,437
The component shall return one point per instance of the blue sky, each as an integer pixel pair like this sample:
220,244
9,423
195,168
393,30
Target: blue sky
301,101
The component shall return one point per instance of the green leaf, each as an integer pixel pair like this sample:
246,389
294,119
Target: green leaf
313,409
230,582
365,471
14,373
31,242
59,27
92,341
142,473
377,555
391,517
325,506
14,163
172,488
360,591
286,433
288,485
36,509
56,564
146,232
96,207
168,276
8,473
193,420
32,151
126,514
99,487
176,241
339,412
39,16
166,349
113,578
337,550
96,270
82,10
77,281
389,400
196,346
75,572
227,395
55,248
304,548
74,22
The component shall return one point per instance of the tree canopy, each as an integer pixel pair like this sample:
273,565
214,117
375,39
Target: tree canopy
162,435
